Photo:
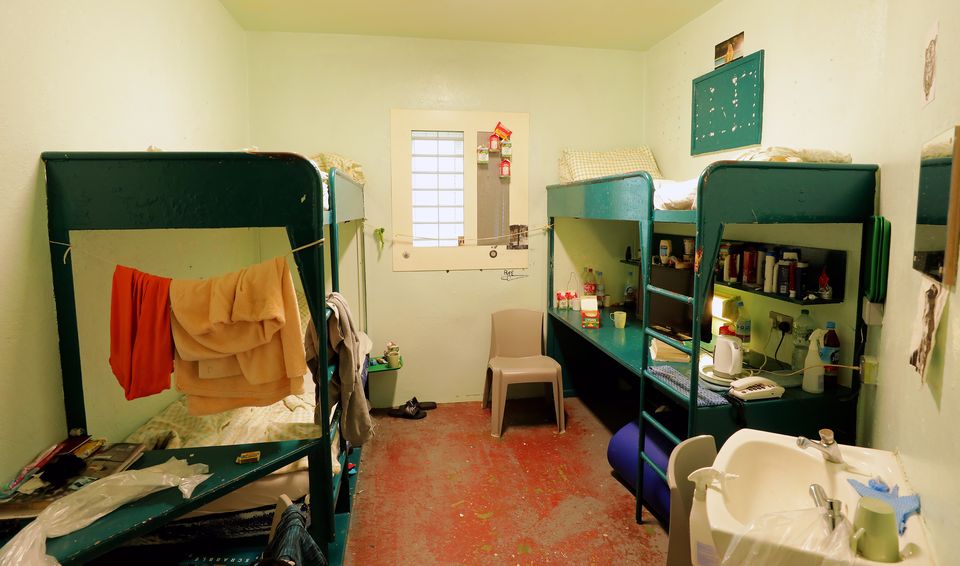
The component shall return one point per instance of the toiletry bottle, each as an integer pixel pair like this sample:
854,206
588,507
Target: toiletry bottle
743,325
783,278
830,355
813,366
769,273
601,289
702,549
802,327
629,293
666,250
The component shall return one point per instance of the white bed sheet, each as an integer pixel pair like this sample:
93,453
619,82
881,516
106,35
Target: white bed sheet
675,195
288,419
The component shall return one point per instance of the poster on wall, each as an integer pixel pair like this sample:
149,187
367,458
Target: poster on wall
728,50
930,64
932,298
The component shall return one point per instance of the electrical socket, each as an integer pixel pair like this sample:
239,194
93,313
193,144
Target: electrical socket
777,317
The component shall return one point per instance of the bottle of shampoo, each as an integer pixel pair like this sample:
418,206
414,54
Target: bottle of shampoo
813,366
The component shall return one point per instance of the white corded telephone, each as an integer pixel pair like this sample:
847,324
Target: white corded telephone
751,388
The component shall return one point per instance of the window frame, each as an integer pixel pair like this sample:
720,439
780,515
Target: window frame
407,257
438,240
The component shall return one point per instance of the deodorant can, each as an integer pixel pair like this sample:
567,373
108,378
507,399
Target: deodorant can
783,277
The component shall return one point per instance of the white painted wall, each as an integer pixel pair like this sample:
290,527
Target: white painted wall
314,93
847,76
99,75
811,99
918,419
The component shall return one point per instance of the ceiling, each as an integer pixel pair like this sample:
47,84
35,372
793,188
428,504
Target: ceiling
607,24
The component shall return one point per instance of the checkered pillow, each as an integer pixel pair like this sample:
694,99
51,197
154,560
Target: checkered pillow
580,165
352,169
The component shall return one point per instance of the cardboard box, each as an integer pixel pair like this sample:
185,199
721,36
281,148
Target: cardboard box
589,312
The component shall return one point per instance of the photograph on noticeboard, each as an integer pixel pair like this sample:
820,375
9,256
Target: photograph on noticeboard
728,50
518,237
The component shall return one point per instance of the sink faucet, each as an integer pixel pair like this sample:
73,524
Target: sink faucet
832,508
830,449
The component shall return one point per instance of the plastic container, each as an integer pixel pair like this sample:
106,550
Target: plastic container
742,325
783,277
589,282
630,290
813,365
802,268
601,287
802,327
830,354
769,273
702,549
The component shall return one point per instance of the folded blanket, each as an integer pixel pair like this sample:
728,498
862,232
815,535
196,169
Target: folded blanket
791,155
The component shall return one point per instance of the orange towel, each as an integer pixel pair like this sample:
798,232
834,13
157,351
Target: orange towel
233,386
141,347
237,338
251,313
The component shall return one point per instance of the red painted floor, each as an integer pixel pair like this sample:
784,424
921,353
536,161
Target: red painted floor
441,490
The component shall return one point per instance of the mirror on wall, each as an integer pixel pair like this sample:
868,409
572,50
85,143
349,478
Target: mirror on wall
932,234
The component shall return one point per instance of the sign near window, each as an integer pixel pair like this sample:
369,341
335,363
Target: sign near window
452,209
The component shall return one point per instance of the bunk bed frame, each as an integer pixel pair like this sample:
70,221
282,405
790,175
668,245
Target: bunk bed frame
729,192
139,191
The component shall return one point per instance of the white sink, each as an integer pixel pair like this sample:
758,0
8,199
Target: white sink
775,476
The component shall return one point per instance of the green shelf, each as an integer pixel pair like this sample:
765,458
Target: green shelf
745,289
375,368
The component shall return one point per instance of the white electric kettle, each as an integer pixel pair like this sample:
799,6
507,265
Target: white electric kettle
728,356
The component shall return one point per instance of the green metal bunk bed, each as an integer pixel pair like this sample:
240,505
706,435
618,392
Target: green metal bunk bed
729,192
138,191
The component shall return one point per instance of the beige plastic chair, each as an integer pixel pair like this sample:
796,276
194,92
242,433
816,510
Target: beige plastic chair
690,455
516,356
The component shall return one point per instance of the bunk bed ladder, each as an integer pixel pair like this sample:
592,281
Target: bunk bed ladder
690,401
647,418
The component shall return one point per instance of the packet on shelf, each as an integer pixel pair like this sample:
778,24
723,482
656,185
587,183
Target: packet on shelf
589,312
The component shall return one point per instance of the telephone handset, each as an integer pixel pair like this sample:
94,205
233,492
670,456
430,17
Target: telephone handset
751,388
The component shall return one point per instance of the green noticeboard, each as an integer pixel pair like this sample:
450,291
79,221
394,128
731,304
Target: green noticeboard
728,106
